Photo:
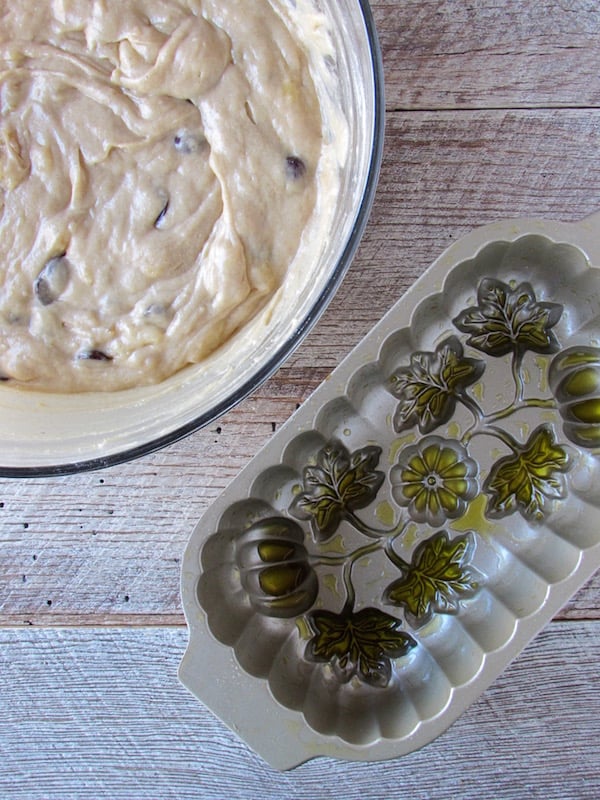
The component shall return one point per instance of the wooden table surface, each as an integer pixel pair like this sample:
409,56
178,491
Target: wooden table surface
493,111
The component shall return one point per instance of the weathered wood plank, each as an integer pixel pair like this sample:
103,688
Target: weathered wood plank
97,714
444,174
110,542
489,54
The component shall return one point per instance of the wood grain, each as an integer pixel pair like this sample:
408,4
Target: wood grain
489,54
99,715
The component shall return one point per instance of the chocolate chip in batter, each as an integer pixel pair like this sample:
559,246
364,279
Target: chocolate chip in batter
52,280
187,142
295,168
93,355
249,113
162,215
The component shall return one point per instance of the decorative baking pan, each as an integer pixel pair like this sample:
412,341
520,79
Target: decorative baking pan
420,518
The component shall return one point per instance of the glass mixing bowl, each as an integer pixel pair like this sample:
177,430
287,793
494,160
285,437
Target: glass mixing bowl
45,434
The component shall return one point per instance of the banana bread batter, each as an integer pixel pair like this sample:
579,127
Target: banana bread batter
159,162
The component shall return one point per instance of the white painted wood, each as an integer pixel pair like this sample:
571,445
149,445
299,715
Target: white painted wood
98,714
514,53
494,112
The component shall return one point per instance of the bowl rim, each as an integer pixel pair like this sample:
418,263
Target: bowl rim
287,348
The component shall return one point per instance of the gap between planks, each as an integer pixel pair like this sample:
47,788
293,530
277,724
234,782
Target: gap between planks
164,620
92,621
450,108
